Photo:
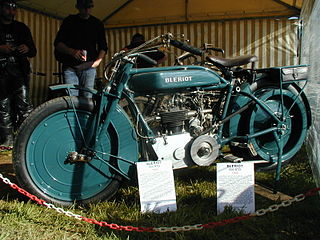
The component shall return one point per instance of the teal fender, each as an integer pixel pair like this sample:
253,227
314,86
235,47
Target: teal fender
306,104
236,103
127,140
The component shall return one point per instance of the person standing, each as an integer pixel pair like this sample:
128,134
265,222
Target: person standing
80,46
16,46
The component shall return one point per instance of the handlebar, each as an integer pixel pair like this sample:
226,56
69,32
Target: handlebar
167,39
147,59
185,47
209,47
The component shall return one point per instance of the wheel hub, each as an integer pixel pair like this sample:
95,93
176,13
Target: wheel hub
74,157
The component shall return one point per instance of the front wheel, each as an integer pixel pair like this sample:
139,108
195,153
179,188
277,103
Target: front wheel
45,140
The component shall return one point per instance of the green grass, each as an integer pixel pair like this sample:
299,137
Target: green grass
196,200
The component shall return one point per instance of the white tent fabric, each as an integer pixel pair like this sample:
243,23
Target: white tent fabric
122,13
310,55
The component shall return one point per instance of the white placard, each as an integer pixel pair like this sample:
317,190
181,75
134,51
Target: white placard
235,186
156,186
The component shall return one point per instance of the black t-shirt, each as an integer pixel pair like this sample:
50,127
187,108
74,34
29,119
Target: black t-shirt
16,34
81,34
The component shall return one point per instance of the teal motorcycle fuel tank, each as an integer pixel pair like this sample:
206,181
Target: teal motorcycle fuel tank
173,79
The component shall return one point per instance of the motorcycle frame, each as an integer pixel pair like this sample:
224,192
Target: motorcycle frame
108,98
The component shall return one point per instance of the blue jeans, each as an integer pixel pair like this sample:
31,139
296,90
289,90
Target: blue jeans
83,78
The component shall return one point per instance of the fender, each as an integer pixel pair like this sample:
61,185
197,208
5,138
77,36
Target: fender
306,103
127,140
71,86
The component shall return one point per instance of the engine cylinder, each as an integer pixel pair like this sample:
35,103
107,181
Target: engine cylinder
173,121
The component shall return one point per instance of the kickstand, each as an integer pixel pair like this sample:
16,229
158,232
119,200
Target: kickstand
279,162
277,178
276,186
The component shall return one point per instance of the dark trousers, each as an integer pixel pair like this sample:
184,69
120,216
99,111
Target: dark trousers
14,100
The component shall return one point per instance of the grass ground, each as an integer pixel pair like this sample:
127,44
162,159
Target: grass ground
21,218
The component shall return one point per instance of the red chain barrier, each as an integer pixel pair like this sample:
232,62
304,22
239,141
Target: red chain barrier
312,192
29,195
5,148
114,226
227,221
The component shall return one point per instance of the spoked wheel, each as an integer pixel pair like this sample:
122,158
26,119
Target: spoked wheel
51,134
290,132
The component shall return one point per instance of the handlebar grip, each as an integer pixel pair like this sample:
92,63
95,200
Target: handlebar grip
186,47
218,50
148,59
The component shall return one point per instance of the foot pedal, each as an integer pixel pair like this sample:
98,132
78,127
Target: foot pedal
232,158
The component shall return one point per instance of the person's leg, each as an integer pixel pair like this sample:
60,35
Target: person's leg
6,137
86,79
22,105
70,77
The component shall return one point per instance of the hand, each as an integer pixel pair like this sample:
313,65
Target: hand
6,49
78,54
96,63
23,49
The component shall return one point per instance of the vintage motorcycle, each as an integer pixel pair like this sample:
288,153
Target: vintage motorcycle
77,150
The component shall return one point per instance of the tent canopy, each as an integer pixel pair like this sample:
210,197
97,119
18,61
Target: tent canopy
121,13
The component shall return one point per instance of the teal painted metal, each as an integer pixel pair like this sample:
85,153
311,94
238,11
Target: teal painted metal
173,79
59,134
289,121
236,103
291,130
71,86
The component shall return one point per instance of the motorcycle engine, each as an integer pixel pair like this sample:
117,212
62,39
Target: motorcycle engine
190,112
180,120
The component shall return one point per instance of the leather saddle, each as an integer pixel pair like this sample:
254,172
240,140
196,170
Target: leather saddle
231,62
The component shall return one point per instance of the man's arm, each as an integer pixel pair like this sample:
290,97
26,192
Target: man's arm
28,47
97,62
102,45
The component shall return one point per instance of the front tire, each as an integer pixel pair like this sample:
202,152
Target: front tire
44,140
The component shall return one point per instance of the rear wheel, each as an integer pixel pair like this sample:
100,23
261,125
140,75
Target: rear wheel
291,131
44,141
